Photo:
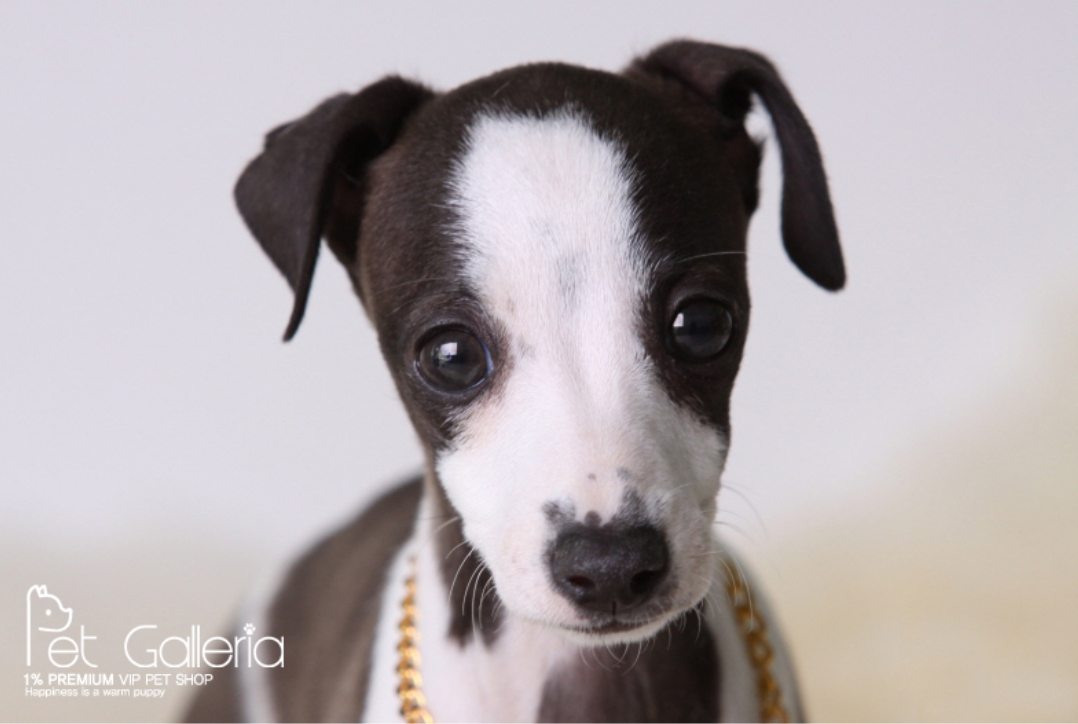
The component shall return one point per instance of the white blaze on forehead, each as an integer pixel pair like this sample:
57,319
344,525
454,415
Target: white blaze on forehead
539,190
549,224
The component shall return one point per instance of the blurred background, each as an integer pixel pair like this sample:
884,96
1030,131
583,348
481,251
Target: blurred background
904,469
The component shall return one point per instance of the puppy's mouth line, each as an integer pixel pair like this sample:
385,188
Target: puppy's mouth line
612,627
609,624
616,624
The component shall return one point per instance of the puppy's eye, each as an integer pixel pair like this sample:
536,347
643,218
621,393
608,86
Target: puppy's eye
700,330
453,360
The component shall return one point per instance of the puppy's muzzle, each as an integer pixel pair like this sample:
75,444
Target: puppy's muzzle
611,572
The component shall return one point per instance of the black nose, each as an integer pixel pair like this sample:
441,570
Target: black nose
609,571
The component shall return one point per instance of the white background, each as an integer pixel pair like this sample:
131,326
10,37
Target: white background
146,398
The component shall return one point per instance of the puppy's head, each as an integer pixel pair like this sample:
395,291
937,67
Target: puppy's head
554,260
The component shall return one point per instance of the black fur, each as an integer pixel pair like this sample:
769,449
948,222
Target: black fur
725,78
313,167
672,678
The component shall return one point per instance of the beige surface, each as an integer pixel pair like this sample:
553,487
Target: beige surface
958,598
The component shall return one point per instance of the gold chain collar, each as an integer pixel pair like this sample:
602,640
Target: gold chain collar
750,621
410,683
754,630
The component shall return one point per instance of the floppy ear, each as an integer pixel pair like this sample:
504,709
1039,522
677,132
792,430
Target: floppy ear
310,179
725,78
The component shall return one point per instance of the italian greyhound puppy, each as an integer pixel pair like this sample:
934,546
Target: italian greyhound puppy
554,260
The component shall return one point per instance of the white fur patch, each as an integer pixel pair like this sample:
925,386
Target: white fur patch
551,243
470,683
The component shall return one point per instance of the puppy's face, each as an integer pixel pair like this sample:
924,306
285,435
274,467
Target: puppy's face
554,260
565,318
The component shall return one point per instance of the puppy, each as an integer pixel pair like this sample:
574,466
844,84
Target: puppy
554,260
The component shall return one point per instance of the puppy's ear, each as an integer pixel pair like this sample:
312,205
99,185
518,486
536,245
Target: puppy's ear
725,78
310,179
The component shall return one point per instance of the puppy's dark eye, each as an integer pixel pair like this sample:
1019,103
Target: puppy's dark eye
700,330
453,360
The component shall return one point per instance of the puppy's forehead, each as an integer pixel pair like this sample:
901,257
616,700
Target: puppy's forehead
546,216
668,152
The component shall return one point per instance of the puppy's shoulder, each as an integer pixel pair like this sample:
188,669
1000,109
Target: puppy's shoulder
327,610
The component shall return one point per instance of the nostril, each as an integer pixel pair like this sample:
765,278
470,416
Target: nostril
581,582
644,582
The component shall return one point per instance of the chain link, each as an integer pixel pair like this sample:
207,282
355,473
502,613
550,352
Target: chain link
410,682
758,643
